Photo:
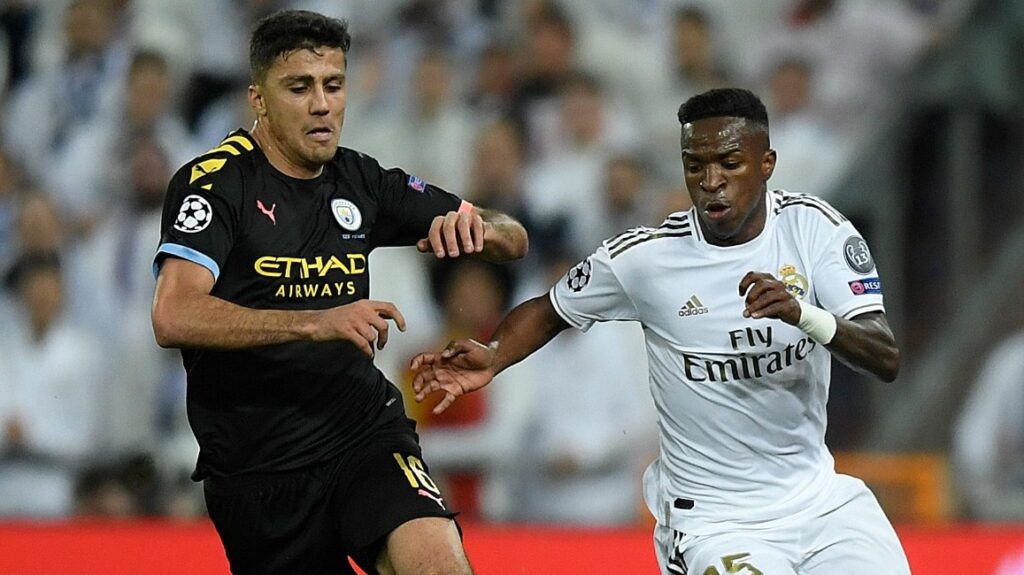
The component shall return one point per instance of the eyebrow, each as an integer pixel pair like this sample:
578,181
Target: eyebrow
308,78
723,154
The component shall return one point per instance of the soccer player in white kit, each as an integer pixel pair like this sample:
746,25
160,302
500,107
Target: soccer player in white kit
742,299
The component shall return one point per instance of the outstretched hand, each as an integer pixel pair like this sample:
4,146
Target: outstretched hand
463,366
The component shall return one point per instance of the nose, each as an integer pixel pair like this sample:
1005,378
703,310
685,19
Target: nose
713,178
318,103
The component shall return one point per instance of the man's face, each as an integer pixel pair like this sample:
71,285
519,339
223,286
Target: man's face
726,163
301,103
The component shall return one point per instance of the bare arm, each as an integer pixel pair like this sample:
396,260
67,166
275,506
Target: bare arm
865,343
467,365
186,315
495,236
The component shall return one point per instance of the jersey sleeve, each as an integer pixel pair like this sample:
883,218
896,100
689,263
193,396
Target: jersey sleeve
406,206
201,215
591,292
845,277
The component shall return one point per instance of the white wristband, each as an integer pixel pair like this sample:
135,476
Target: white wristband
817,323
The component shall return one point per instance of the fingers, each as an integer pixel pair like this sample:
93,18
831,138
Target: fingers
750,278
390,311
454,233
478,230
758,308
421,360
451,222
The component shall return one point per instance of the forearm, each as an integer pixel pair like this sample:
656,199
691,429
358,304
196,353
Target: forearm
505,239
524,330
205,321
867,345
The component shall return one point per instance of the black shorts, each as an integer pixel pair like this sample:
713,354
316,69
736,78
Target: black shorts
311,520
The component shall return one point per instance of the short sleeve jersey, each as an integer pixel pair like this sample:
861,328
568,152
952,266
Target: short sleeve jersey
741,401
276,242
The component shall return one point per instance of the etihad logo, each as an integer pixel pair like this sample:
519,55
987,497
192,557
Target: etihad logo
303,268
692,307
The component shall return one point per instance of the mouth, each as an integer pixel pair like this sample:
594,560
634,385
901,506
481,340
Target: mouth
717,210
320,134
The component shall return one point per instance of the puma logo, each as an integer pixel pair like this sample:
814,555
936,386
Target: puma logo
269,213
424,493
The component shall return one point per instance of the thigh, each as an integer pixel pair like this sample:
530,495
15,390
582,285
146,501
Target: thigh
854,538
276,525
391,488
752,553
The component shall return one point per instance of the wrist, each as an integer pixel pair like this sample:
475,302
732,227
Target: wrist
819,324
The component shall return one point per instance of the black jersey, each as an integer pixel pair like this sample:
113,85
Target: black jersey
276,242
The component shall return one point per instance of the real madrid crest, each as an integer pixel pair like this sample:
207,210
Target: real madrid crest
347,214
795,283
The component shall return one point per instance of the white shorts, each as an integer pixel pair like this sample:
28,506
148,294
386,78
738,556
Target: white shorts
852,536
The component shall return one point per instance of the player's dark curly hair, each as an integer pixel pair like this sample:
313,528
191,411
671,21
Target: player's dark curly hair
290,30
724,103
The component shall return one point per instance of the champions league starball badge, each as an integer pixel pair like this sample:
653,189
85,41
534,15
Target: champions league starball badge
347,214
579,276
195,214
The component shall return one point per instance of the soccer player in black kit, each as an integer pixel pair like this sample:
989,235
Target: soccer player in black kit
306,455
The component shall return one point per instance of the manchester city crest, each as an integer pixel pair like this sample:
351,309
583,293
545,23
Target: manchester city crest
795,283
347,214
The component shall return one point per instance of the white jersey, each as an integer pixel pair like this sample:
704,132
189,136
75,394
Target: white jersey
741,402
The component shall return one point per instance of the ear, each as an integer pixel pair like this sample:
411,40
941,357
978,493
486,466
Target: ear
768,164
256,101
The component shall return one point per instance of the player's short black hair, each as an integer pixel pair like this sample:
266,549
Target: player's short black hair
724,103
290,30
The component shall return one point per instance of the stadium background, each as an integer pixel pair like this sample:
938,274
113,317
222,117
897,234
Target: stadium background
905,114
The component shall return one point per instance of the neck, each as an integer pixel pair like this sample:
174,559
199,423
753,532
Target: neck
277,156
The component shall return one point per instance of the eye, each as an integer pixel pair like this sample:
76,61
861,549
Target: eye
297,89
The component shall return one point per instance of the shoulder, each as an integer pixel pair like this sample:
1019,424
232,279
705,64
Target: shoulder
640,240
223,168
348,159
805,209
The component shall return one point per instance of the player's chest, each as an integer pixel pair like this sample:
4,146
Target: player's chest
697,304
330,219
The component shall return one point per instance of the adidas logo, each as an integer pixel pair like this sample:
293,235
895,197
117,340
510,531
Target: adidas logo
692,307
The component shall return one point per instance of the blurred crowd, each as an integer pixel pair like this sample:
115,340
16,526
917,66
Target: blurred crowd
561,113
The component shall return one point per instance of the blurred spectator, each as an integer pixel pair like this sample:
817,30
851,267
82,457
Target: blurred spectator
491,94
590,433
988,438
38,227
91,162
565,189
860,51
112,278
44,110
629,200
50,373
812,155
122,488
546,62
694,66
432,139
471,448
10,189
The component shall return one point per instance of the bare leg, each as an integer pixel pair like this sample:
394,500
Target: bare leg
424,546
